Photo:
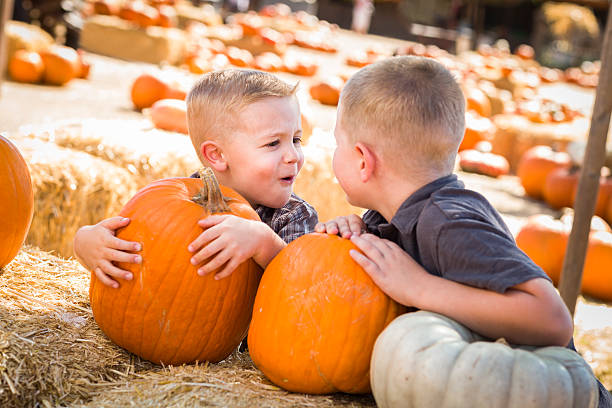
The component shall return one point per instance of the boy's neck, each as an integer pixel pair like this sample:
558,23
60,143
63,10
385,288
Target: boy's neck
397,191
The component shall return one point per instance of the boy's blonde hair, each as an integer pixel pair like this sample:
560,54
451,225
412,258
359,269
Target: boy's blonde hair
218,96
410,109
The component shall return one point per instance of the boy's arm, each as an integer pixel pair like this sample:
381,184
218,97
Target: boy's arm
229,240
96,247
527,313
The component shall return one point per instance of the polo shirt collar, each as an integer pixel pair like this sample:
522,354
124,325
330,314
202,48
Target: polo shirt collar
408,213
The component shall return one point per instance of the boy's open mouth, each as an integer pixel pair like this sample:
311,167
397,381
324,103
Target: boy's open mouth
288,179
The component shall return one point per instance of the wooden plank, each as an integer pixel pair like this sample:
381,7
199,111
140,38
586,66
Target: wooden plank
588,184
6,9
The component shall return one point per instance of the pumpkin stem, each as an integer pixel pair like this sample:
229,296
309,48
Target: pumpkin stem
210,197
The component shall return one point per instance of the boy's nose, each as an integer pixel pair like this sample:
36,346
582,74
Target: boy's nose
291,155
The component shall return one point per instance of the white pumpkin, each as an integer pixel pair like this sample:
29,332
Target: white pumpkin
427,360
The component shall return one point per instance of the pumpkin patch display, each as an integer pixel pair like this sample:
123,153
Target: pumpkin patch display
17,198
167,313
535,165
427,360
316,317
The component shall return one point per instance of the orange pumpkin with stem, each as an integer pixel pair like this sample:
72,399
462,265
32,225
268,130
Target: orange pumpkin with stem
167,313
536,164
17,200
316,317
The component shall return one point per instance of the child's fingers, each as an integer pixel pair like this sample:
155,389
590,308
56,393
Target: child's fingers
366,263
113,242
331,227
115,222
208,251
320,227
370,245
120,256
356,225
114,272
214,263
227,270
203,239
212,220
105,279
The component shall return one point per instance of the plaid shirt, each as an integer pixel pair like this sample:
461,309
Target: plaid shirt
289,222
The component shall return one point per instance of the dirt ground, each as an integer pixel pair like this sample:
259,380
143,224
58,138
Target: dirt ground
106,96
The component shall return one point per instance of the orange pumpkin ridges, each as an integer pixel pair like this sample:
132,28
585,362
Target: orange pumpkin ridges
167,313
316,317
17,198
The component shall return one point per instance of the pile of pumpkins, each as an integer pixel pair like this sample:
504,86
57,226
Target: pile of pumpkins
316,322
55,65
551,176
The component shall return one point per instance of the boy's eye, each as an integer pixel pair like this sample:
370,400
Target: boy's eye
297,140
274,143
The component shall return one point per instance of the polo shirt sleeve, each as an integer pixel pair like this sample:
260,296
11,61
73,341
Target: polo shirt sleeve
477,253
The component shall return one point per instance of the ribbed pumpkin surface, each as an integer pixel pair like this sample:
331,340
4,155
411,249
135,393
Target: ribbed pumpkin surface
316,317
167,313
16,201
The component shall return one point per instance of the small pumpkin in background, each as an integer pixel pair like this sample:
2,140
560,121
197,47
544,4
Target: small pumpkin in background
169,114
17,198
477,129
26,66
604,194
327,90
149,88
480,160
536,164
426,360
559,187
316,317
62,64
167,313
477,101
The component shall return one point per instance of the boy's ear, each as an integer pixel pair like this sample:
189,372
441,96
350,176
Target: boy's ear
212,153
367,161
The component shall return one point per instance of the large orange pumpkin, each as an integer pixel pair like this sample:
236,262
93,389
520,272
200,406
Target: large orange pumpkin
168,313
17,200
316,317
535,165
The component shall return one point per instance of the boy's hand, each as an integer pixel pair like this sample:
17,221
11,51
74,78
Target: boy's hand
96,248
229,240
346,226
392,269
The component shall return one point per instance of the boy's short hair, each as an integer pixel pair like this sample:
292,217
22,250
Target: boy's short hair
219,95
411,108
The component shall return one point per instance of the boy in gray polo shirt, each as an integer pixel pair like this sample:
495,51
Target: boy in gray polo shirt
430,243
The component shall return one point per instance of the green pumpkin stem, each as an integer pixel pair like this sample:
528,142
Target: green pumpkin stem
210,197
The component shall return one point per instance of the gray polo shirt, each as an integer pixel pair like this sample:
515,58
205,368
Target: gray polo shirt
456,234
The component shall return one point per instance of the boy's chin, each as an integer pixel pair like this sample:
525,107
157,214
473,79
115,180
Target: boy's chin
276,202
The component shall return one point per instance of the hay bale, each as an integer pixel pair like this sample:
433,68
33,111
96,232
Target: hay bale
118,38
515,134
316,182
51,351
136,146
71,189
